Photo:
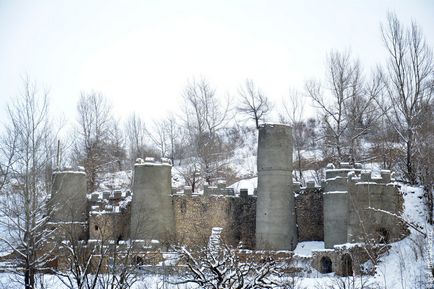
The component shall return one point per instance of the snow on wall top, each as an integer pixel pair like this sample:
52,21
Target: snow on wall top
150,161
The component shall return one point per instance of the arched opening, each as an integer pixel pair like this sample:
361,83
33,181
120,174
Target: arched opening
382,236
326,265
347,265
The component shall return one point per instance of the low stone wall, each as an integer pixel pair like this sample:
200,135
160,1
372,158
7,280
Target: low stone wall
345,260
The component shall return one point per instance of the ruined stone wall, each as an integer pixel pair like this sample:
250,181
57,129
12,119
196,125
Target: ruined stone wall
372,206
196,215
344,260
309,212
110,226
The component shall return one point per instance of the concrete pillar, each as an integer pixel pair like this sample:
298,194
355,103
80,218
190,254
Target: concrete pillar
385,176
151,206
275,214
68,198
335,218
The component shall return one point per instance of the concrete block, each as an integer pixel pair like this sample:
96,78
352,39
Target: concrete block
106,195
385,176
244,193
94,197
117,195
365,176
310,184
187,190
296,187
345,165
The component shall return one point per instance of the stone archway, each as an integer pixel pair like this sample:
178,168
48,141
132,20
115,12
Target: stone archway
326,265
347,265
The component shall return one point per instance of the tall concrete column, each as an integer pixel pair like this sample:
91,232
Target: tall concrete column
68,198
275,213
151,207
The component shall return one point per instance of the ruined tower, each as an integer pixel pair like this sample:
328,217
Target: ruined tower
275,214
151,206
68,199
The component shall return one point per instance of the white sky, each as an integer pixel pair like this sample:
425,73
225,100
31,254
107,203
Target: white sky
140,54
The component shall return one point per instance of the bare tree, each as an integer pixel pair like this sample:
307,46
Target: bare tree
409,81
204,120
103,263
166,134
136,133
116,148
293,114
220,266
23,202
346,107
253,102
93,135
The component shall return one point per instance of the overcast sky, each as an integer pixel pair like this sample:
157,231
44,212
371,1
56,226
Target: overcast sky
140,54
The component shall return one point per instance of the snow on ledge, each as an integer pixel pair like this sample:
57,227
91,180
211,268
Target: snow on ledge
69,172
304,249
335,192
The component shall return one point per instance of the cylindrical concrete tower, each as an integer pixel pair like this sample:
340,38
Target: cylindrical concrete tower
151,207
275,213
68,199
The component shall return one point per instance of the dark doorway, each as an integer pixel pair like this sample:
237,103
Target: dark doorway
382,236
326,265
347,265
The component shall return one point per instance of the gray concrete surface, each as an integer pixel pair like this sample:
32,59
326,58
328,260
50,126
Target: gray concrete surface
151,207
68,198
275,213
335,218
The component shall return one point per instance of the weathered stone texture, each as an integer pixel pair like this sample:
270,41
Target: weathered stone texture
112,226
309,211
371,212
195,216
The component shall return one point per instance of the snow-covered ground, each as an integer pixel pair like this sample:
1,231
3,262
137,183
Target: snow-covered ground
304,249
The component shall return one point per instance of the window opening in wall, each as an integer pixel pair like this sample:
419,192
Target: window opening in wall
96,228
347,265
326,265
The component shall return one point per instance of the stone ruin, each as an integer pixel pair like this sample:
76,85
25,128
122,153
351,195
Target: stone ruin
349,207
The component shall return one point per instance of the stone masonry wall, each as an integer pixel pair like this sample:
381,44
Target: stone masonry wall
309,212
368,204
196,215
